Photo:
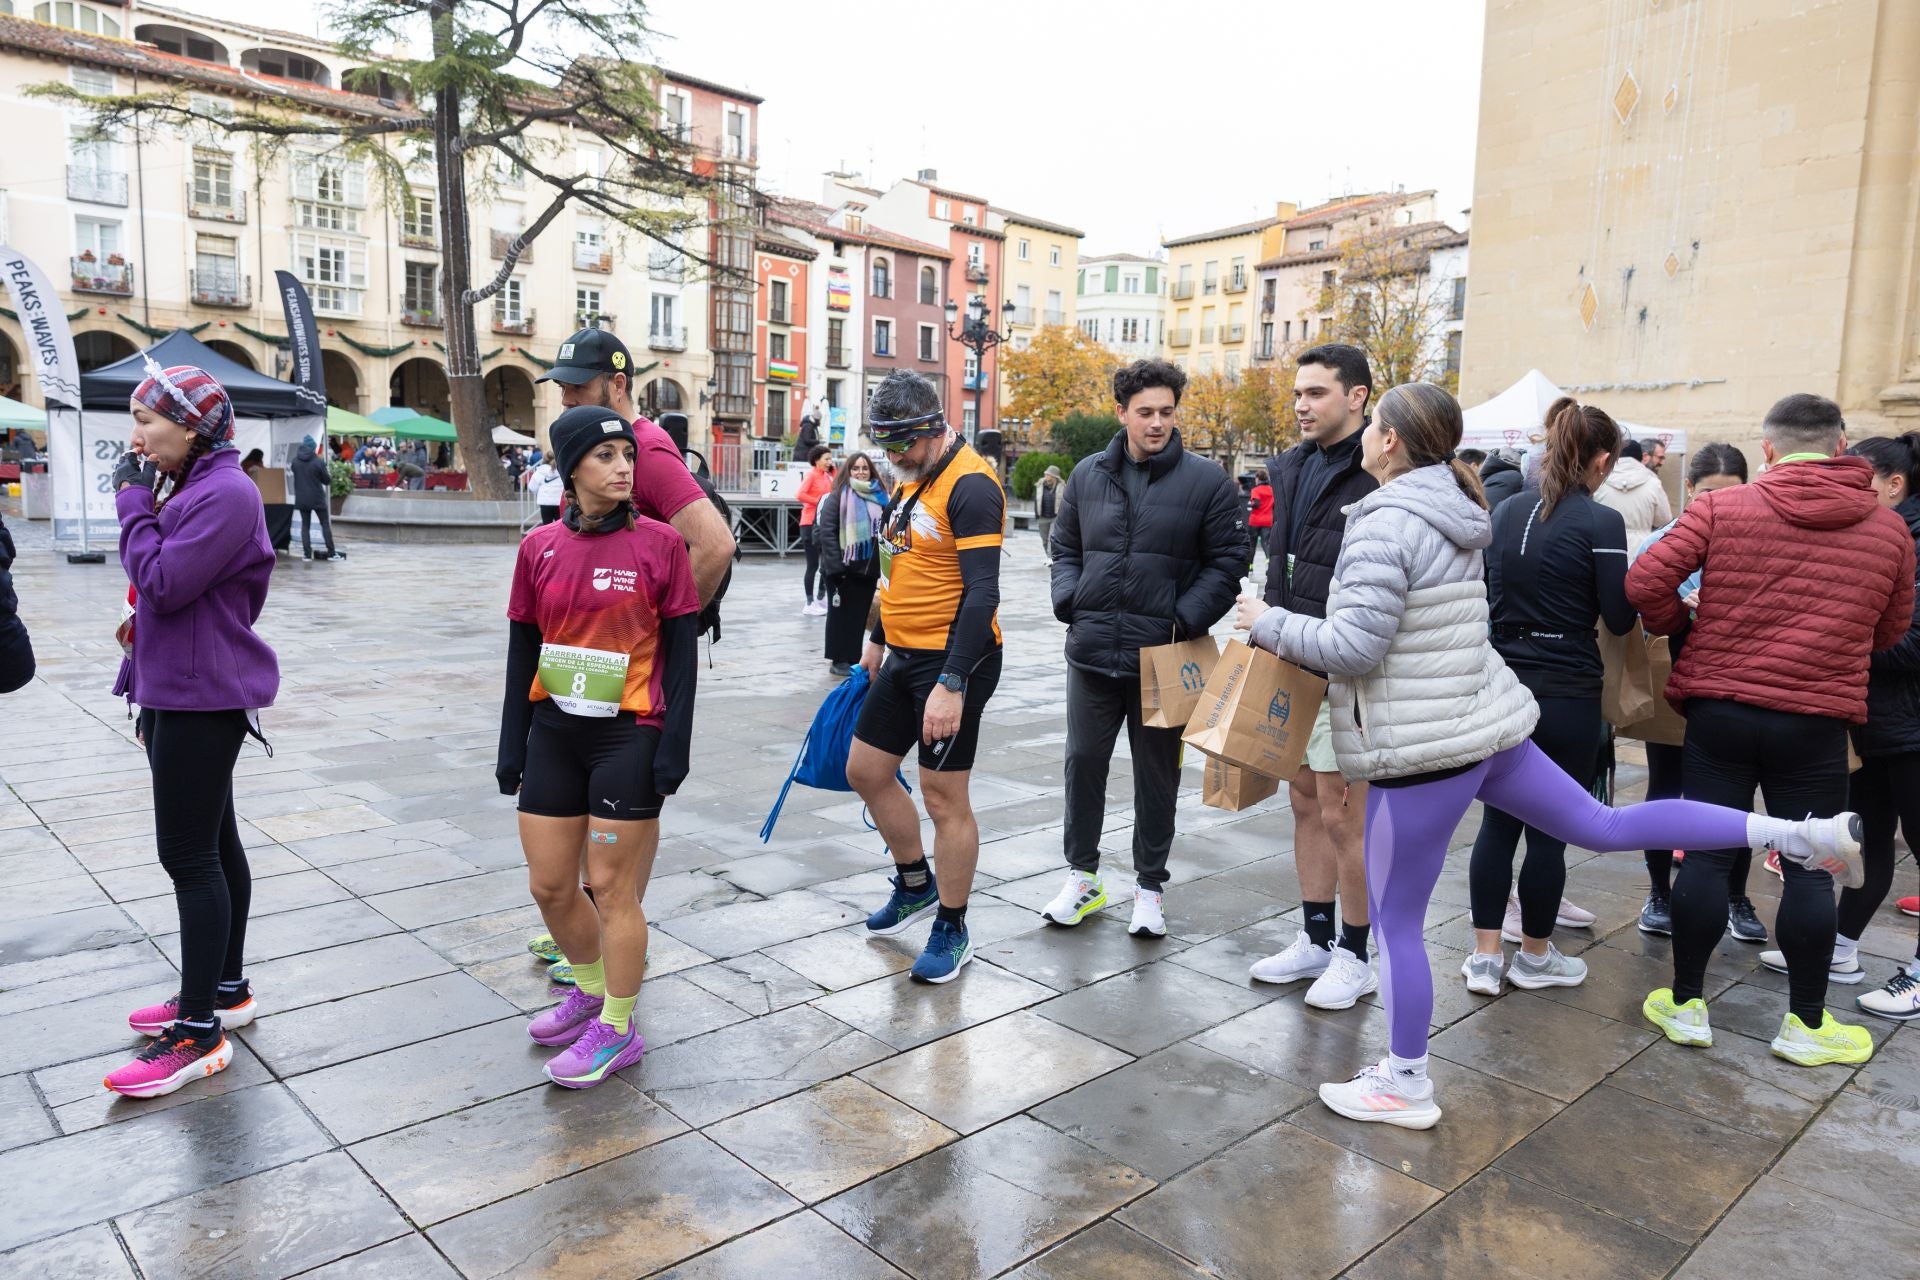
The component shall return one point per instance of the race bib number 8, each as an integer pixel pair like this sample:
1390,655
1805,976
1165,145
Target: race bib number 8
583,682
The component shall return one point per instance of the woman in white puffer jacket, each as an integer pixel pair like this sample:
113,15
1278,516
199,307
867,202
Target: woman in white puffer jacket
1426,711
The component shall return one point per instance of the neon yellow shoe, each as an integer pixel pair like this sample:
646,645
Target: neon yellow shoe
543,947
562,973
1079,898
1683,1023
1833,1042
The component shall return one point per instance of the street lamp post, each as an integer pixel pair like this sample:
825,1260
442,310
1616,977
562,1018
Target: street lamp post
977,336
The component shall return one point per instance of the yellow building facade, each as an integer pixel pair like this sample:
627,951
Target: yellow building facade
1210,299
1040,264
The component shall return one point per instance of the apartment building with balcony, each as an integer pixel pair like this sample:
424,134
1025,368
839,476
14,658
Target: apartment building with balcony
1121,300
1210,291
1042,264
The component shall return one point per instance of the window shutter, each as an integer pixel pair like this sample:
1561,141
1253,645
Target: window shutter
1153,280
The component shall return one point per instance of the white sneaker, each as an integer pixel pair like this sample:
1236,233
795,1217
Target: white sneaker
1567,916
1510,926
1347,978
1828,844
1551,970
1483,972
1846,971
817,607
1301,959
1899,1000
1375,1094
1080,897
1148,921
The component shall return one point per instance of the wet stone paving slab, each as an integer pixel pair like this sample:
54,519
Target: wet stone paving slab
1078,1105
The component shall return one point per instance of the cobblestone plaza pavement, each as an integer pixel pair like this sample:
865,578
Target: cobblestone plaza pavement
1077,1104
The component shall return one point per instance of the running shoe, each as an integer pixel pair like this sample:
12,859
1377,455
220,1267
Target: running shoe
598,1053
1566,916
1079,897
1831,845
1482,973
1743,923
562,1023
560,974
1682,1023
1844,970
1375,1095
236,1010
1899,1000
172,1060
1772,863
1346,979
1909,906
1301,959
1148,920
1656,915
903,907
1550,970
544,947
1834,1041
948,950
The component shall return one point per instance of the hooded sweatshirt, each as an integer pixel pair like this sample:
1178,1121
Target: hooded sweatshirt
1805,575
311,480
1500,476
1414,683
1634,491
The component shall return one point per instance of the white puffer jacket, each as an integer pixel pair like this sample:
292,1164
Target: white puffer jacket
1414,683
1634,491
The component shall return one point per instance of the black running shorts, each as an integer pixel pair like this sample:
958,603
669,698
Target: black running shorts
891,717
589,766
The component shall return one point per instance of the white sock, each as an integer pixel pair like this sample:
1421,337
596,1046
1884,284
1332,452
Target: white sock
1778,833
1845,948
1410,1071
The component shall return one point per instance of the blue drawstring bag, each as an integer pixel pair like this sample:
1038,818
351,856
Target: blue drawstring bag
822,761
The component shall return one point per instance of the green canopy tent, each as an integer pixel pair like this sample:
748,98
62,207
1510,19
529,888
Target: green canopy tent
15,416
342,423
422,427
393,413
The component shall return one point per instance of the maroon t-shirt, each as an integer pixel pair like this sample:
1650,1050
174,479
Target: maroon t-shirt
662,485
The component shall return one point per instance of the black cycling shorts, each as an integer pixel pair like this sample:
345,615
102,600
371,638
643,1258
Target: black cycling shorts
891,717
591,766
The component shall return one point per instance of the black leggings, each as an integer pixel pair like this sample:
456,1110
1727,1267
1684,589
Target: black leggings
191,754
813,558
1800,765
1885,792
1665,781
1569,734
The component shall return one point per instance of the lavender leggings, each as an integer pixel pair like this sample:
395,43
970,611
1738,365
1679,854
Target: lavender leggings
1408,829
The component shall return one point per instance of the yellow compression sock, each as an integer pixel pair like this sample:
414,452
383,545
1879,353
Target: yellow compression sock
592,978
617,1012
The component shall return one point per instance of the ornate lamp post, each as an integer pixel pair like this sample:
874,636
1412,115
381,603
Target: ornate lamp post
977,336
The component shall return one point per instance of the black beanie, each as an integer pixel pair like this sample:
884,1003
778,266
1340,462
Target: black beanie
579,430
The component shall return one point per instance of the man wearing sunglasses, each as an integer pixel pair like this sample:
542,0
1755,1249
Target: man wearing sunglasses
934,658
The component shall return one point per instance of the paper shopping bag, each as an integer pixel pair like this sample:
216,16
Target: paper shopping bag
1228,786
1256,712
1172,677
1661,723
1626,694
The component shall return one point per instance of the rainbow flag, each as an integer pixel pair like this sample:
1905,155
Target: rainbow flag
785,370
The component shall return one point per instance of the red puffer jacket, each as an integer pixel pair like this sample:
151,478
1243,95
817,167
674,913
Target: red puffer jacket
1806,574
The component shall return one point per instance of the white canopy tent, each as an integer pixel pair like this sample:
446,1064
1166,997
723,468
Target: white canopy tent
507,435
1512,419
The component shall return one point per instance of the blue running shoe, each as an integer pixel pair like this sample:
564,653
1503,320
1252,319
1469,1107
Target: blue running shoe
903,908
948,948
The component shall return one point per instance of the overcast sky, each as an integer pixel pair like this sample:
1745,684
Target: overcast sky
1131,120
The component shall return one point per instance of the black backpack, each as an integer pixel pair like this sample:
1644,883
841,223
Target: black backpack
709,621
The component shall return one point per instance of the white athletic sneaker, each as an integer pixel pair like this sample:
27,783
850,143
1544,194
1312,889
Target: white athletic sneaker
1567,917
1828,844
1899,1000
1844,971
1347,978
1080,897
1510,930
1483,973
816,608
1301,959
1552,970
1148,921
1375,1094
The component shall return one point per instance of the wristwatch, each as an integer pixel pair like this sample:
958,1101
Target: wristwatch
953,683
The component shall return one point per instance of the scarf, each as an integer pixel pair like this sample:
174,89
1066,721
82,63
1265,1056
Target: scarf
857,518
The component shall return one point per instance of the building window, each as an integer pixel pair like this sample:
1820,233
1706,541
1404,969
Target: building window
777,346
836,342
1457,304
777,301
1326,281
510,304
968,216
1130,330
943,210
929,342
929,287
883,337
419,219
1026,250
212,179
1130,284
967,419
836,397
776,414
334,269
91,80
735,145
972,368
1286,331
586,305
882,279
976,255
328,193
1453,351
77,17
1315,244
420,290
1053,255
662,315
675,116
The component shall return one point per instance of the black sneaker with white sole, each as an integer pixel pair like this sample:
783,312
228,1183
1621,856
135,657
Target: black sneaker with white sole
1743,923
1656,916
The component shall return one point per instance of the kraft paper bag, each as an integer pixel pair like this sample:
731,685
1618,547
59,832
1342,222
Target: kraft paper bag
1257,711
1172,677
1662,723
1228,786
1627,694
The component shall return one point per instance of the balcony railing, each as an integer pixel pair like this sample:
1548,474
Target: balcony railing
1237,282
507,322
1208,333
592,257
1266,306
96,186
214,287
420,317
1182,290
1023,315
730,405
976,271
837,358
1210,285
1263,352
668,339
419,240
666,266
1179,337
503,239
1232,333
779,315
231,209
594,319
91,276
1056,317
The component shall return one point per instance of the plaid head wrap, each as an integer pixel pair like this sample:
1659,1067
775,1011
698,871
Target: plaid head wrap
189,396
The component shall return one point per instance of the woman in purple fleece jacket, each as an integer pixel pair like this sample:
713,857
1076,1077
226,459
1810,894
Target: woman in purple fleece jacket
199,560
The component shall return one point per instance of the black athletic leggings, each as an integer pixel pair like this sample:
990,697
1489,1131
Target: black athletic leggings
191,754
1885,792
1666,781
813,559
1569,734
1800,765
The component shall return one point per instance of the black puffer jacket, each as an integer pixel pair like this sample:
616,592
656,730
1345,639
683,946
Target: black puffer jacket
16,650
1501,479
311,479
1321,527
1127,576
1893,681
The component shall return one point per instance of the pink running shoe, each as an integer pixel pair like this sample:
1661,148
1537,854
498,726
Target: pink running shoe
561,1024
598,1053
155,1018
172,1060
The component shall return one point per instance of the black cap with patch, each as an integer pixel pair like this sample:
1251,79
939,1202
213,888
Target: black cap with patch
586,355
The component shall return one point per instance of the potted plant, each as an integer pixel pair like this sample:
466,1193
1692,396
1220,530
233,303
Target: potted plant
339,484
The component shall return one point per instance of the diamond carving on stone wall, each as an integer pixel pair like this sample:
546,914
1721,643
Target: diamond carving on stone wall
1672,264
1626,97
1589,306
1672,99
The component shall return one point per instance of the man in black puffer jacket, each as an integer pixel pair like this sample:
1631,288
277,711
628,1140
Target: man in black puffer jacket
1501,477
1148,548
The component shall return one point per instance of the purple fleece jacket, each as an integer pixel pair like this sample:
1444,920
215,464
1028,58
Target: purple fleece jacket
200,570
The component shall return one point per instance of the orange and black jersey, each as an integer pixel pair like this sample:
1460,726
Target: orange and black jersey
942,585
